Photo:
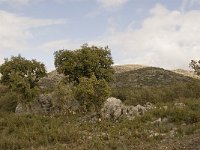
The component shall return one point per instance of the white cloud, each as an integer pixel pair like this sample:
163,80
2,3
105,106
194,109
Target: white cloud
48,48
186,4
27,2
61,44
111,3
16,30
166,38
1,59
16,2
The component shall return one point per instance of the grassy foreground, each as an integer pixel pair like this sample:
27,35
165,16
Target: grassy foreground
174,124
73,132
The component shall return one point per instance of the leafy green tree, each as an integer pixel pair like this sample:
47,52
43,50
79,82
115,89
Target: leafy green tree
196,66
85,62
91,93
22,75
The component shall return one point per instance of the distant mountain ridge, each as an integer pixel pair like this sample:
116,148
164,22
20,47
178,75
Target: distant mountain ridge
186,73
135,75
127,67
148,76
130,67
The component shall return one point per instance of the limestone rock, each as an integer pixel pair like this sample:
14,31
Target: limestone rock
114,109
47,104
22,109
45,101
179,105
40,106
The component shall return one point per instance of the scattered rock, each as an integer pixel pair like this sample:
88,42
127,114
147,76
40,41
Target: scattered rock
179,105
114,109
45,101
159,121
173,132
156,134
165,120
22,109
165,107
41,106
141,109
149,106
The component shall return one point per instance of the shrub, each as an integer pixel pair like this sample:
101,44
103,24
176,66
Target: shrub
8,101
91,93
85,62
156,94
22,75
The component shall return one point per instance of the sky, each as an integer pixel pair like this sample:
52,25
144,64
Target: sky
161,33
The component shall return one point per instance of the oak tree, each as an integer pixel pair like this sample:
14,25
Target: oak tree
85,62
196,66
22,75
92,93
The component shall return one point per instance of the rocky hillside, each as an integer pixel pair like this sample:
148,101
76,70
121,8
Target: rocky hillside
131,67
51,80
150,108
126,68
133,84
134,75
147,76
142,84
186,73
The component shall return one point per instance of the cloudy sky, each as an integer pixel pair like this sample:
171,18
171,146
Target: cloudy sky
163,33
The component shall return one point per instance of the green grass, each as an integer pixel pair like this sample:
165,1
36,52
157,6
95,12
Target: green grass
153,94
149,76
153,85
161,87
69,132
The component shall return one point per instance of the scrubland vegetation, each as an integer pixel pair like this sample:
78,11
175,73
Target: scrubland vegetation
176,116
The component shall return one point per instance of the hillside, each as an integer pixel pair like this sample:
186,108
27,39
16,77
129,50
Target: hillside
128,67
151,84
134,75
140,84
186,73
172,123
147,76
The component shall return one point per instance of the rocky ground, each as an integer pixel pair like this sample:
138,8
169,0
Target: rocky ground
190,142
137,118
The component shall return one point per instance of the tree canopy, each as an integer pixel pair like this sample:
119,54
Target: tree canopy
85,62
21,75
90,69
91,93
196,66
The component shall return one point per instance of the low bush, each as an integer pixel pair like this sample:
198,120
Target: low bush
157,94
8,99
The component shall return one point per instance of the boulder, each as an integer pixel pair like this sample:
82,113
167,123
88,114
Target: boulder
130,112
141,109
179,105
31,108
22,109
114,109
45,101
47,104
40,106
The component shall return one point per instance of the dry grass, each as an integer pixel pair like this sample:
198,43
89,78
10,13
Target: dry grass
128,67
186,73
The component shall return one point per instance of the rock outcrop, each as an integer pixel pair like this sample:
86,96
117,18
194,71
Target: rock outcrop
179,105
114,109
48,104
42,105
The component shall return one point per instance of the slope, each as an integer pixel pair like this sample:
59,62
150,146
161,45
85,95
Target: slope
151,84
